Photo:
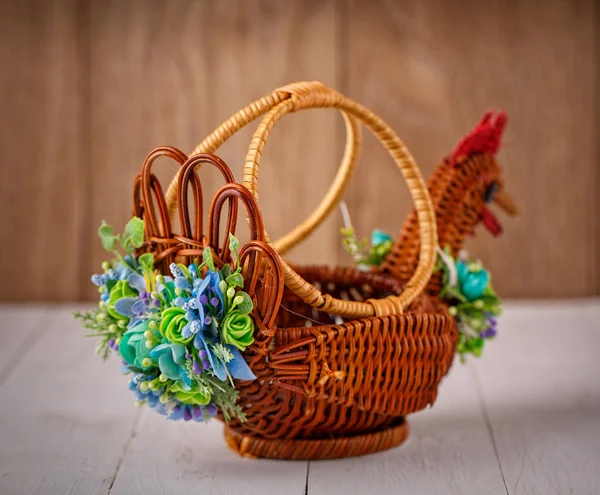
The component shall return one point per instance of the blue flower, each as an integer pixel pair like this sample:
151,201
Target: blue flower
237,367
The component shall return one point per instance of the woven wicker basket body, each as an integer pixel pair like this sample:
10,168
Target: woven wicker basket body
340,355
344,389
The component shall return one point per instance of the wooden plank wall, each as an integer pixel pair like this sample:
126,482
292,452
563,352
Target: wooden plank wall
87,88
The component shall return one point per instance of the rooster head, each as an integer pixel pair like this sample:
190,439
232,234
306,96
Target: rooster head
473,160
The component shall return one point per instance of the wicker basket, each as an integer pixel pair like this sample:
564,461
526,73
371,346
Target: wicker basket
337,371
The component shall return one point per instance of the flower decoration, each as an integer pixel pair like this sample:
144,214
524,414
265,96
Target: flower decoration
472,301
180,334
238,329
365,256
466,288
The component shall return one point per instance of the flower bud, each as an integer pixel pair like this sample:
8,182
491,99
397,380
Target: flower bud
143,386
112,328
162,377
452,310
106,266
146,362
149,344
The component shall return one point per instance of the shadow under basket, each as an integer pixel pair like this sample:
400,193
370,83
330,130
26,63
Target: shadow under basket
329,389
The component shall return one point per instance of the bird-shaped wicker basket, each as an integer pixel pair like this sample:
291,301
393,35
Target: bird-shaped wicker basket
340,355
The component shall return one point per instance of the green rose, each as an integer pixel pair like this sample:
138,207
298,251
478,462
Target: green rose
238,329
133,348
172,324
192,397
120,290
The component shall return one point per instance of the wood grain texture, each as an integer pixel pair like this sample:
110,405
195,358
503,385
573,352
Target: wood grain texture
65,417
68,425
20,327
169,457
171,73
44,150
88,88
432,69
448,451
544,409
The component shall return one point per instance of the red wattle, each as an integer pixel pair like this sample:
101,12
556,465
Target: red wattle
491,222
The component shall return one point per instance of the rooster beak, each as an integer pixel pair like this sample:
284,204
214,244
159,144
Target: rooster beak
504,201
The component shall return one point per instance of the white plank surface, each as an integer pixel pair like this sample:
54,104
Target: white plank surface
169,457
19,330
64,416
540,383
528,413
448,451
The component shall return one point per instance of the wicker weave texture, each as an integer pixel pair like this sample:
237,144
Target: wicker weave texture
347,384
458,194
340,355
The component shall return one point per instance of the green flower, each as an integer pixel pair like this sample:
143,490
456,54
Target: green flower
120,290
192,397
133,348
238,329
172,324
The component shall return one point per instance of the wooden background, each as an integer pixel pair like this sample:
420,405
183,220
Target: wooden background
88,88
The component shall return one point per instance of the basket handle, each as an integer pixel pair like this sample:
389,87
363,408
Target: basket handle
251,113
306,95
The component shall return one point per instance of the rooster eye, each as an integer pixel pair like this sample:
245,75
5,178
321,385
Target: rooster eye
490,191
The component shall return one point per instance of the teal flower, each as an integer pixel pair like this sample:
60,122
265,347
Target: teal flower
170,357
379,237
473,280
133,348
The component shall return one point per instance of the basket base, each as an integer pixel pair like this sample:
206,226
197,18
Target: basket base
315,449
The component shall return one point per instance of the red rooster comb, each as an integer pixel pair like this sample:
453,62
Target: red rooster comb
484,138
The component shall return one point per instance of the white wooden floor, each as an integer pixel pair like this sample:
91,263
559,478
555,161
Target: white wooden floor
525,419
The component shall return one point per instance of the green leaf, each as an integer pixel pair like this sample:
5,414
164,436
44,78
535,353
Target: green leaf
107,236
226,271
234,246
246,305
208,259
185,271
146,260
135,231
235,280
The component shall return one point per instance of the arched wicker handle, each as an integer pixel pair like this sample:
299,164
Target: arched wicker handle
312,95
251,113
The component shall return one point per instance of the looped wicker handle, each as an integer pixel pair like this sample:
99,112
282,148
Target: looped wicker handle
312,95
251,113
